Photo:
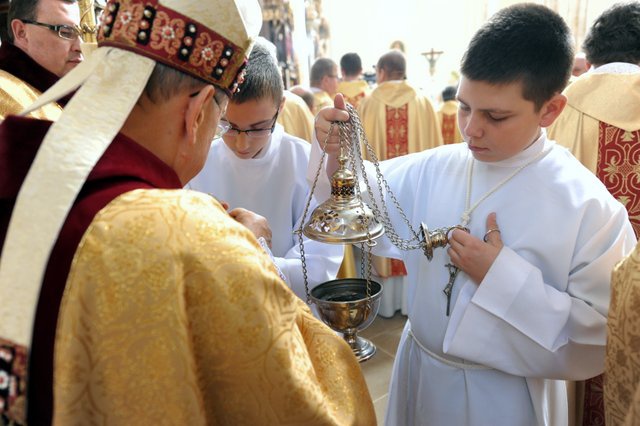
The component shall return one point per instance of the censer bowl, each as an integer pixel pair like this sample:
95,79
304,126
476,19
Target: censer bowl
344,306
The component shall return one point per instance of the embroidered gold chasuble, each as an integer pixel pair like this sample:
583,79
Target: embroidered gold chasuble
622,363
16,95
222,341
398,120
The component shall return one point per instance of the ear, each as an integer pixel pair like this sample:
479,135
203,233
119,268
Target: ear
19,30
552,109
196,110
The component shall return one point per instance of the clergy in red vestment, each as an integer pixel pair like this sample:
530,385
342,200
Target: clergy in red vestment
133,300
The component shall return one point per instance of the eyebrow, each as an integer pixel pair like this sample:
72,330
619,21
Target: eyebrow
488,110
259,123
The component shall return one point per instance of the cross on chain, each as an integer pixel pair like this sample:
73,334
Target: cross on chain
453,273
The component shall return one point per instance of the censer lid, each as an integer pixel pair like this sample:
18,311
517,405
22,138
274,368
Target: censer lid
343,218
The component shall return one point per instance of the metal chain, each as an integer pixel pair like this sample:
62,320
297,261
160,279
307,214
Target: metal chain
416,241
348,136
351,134
304,216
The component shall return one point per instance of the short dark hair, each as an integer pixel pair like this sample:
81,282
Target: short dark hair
615,35
449,93
165,82
351,64
262,79
24,9
394,65
526,42
320,68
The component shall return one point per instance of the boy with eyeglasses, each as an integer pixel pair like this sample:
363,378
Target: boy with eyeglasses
43,45
256,165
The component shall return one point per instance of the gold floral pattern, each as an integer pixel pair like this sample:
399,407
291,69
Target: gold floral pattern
397,131
619,168
173,314
622,365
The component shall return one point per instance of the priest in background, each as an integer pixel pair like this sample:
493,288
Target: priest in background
398,120
601,123
44,44
324,83
448,116
352,86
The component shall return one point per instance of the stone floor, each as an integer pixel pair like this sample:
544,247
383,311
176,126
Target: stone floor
385,334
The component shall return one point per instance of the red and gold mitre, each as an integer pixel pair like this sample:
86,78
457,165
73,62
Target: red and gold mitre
166,35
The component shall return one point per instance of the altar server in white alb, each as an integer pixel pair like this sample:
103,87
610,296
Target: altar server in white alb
530,299
255,165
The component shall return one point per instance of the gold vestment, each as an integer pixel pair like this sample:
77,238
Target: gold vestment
354,91
173,314
296,118
16,95
622,363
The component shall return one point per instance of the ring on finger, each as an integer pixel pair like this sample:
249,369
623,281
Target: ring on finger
486,235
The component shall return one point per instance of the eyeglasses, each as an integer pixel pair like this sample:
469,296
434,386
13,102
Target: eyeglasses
64,31
225,129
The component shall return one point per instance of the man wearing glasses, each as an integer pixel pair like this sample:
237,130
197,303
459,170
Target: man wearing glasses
44,44
257,166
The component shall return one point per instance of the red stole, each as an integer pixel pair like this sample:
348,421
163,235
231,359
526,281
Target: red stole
397,144
619,168
448,128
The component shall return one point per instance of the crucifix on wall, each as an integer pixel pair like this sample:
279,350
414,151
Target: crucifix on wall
432,57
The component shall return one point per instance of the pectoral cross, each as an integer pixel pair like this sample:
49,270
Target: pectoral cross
453,273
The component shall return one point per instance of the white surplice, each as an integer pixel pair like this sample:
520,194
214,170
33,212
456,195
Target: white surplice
274,186
540,312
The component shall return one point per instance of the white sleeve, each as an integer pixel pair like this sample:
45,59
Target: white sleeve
517,323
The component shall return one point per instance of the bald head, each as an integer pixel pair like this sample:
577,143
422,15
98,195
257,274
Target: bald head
391,66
